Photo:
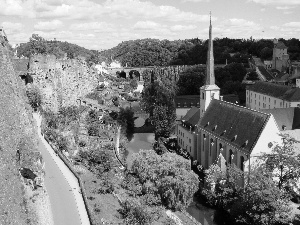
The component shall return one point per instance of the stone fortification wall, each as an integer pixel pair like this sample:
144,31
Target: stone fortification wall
18,142
62,81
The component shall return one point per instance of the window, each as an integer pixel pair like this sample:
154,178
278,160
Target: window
230,156
242,160
190,140
190,149
274,102
183,134
269,100
202,95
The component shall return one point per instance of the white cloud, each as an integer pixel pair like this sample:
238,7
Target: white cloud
183,28
292,24
285,7
236,28
146,25
48,25
277,2
97,27
195,0
12,28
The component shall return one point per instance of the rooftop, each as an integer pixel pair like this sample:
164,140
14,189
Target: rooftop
232,124
283,92
192,117
288,117
280,45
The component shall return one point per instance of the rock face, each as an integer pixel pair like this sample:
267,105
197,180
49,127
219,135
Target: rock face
61,81
18,141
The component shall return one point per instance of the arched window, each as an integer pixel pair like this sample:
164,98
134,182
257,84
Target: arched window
242,160
211,145
230,156
202,95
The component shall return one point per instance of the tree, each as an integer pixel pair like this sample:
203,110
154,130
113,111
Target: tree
190,81
34,97
266,53
126,120
261,202
284,163
164,121
168,177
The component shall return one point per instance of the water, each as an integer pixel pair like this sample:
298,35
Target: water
144,141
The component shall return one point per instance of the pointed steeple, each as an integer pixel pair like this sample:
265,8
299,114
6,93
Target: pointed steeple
210,73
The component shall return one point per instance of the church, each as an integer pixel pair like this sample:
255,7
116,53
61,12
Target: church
219,128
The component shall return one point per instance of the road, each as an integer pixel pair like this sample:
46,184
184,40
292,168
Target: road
66,201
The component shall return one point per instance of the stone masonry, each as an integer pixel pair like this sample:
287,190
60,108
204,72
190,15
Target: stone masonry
61,81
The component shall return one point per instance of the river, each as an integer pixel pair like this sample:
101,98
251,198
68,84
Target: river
144,141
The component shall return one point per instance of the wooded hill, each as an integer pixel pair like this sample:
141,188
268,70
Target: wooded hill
154,52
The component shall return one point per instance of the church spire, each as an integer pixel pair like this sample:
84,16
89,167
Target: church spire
210,73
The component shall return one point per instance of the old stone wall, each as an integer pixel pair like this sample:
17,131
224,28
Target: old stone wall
62,81
18,141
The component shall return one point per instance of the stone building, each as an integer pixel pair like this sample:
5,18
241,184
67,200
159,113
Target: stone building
280,59
265,95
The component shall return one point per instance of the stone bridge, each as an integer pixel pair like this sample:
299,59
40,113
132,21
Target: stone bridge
142,69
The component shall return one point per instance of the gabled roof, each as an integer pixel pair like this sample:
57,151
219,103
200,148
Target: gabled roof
190,114
283,92
236,125
280,45
265,73
288,117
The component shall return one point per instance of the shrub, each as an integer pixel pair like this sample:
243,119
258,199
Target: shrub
34,97
134,212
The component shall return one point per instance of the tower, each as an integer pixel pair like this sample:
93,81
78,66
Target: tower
209,90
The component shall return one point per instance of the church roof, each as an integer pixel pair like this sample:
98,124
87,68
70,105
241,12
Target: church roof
236,125
283,92
288,117
280,45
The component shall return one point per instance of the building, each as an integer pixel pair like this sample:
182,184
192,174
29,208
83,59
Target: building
280,59
186,132
286,118
184,103
265,95
220,128
236,132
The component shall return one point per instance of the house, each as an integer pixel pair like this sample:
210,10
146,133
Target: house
186,136
280,59
265,95
184,103
286,118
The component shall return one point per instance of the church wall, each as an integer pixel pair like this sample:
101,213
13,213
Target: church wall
269,134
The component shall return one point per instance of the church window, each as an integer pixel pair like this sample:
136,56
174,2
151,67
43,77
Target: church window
269,100
242,160
202,95
190,140
230,156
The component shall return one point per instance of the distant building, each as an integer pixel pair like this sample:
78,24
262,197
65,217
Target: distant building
280,59
115,64
265,95
184,103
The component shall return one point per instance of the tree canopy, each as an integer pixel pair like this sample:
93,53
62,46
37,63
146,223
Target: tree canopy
167,178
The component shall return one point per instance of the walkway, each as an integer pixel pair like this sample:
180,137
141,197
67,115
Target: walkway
66,202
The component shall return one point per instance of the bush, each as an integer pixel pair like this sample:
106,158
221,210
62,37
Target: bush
34,97
134,212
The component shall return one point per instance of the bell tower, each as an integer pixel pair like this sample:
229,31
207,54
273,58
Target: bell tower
209,90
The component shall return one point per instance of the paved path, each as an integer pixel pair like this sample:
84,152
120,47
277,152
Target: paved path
62,186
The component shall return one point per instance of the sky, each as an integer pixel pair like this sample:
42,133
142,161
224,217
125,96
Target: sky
103,24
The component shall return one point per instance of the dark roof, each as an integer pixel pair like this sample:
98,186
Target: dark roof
280,45
284,92
190,114
244,123
187,101
265,73
288,117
